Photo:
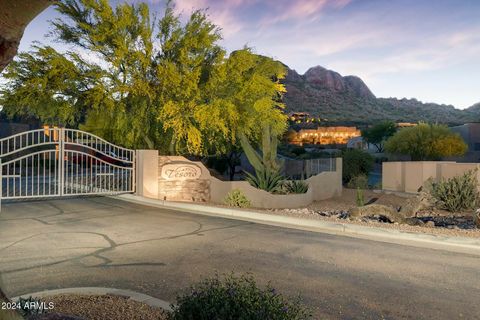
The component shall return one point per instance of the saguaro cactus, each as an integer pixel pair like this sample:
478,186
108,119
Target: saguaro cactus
266,164
268,158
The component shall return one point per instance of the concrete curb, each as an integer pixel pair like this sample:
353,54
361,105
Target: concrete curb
140,297
456,244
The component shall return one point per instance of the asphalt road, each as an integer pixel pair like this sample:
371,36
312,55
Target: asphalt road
110,243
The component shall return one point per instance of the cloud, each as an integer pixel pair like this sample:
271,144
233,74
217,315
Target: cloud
222,13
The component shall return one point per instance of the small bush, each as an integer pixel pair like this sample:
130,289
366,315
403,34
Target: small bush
360,181
455,194
30,307
298,150
355,163
295,186
236,198
235,298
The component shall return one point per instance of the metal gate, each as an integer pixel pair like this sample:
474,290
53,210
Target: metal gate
56,162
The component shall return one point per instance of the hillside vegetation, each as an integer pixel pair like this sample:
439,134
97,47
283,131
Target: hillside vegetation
328,95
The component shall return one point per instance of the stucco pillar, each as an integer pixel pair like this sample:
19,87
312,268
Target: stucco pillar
147,173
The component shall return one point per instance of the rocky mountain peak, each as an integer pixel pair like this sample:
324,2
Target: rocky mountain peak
321,78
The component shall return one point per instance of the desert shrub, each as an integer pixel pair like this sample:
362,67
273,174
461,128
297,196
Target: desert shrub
360,181
30,307
236,198
298,150
235,297
356,162
457,193
266,179
295,186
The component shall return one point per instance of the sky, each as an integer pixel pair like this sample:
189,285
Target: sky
423,49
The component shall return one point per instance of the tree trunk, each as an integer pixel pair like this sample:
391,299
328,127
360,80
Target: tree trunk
15,15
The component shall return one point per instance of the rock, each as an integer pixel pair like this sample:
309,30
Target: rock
413,205
377,209
430,224
476,218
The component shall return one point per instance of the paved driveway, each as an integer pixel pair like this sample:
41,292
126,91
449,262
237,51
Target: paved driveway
110,243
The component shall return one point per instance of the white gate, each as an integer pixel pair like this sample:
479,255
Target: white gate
56,162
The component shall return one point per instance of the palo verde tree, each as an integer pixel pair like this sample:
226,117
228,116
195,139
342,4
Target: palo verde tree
379,133
145,83
426,142
148,83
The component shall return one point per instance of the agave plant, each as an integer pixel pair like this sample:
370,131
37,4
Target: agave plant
295,186
265,179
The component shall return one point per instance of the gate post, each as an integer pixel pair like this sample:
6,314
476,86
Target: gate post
146,173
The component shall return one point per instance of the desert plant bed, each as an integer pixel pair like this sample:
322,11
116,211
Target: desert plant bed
432,221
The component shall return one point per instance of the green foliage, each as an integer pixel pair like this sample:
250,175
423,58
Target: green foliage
219,163
295,186
426,142
360,181
236,198
355,163
143,83
234,297
30,307
298,150
267,168
266,179
267,160
344,108
360,198
379,133
456,194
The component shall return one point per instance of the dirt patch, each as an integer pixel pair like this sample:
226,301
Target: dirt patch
95,307
348,200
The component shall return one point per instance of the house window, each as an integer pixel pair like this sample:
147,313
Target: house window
476,146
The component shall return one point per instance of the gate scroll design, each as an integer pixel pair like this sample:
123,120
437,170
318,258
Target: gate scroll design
56,162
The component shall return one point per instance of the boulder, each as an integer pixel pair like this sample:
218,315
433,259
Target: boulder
378,209
476,217
413,205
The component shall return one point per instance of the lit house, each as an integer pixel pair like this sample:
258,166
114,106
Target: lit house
324,135
299,116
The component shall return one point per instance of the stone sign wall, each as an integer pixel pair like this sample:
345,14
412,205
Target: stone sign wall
182,180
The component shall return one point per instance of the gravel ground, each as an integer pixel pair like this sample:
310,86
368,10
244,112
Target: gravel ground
347,201
105,307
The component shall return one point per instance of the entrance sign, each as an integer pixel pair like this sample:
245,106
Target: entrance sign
180,171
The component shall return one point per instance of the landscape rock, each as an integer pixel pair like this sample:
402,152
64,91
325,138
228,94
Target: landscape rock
476,218
430,224
415,204
377,210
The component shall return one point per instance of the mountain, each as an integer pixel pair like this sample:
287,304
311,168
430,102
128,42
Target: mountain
348,100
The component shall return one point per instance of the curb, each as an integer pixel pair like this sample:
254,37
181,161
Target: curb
456,244
136,296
